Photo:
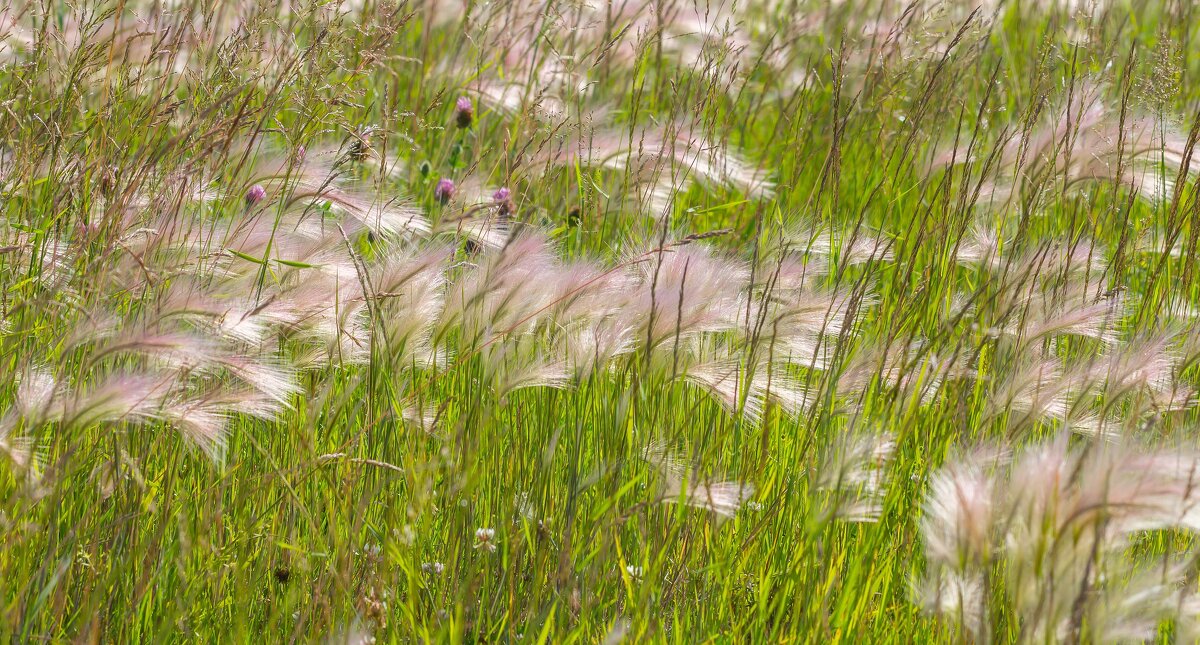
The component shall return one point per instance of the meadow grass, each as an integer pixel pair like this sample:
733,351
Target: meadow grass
794,321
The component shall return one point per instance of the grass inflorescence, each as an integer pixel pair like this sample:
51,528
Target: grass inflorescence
759,321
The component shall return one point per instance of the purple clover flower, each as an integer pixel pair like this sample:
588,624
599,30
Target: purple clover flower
464,112
255,195
444,190
503,200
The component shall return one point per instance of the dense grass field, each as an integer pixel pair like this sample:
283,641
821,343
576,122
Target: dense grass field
599,321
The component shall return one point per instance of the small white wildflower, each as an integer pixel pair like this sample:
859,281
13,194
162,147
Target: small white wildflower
634,572
485,539
433,568
405,535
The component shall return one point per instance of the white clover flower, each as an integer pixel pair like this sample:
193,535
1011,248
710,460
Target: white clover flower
485,539
433,568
